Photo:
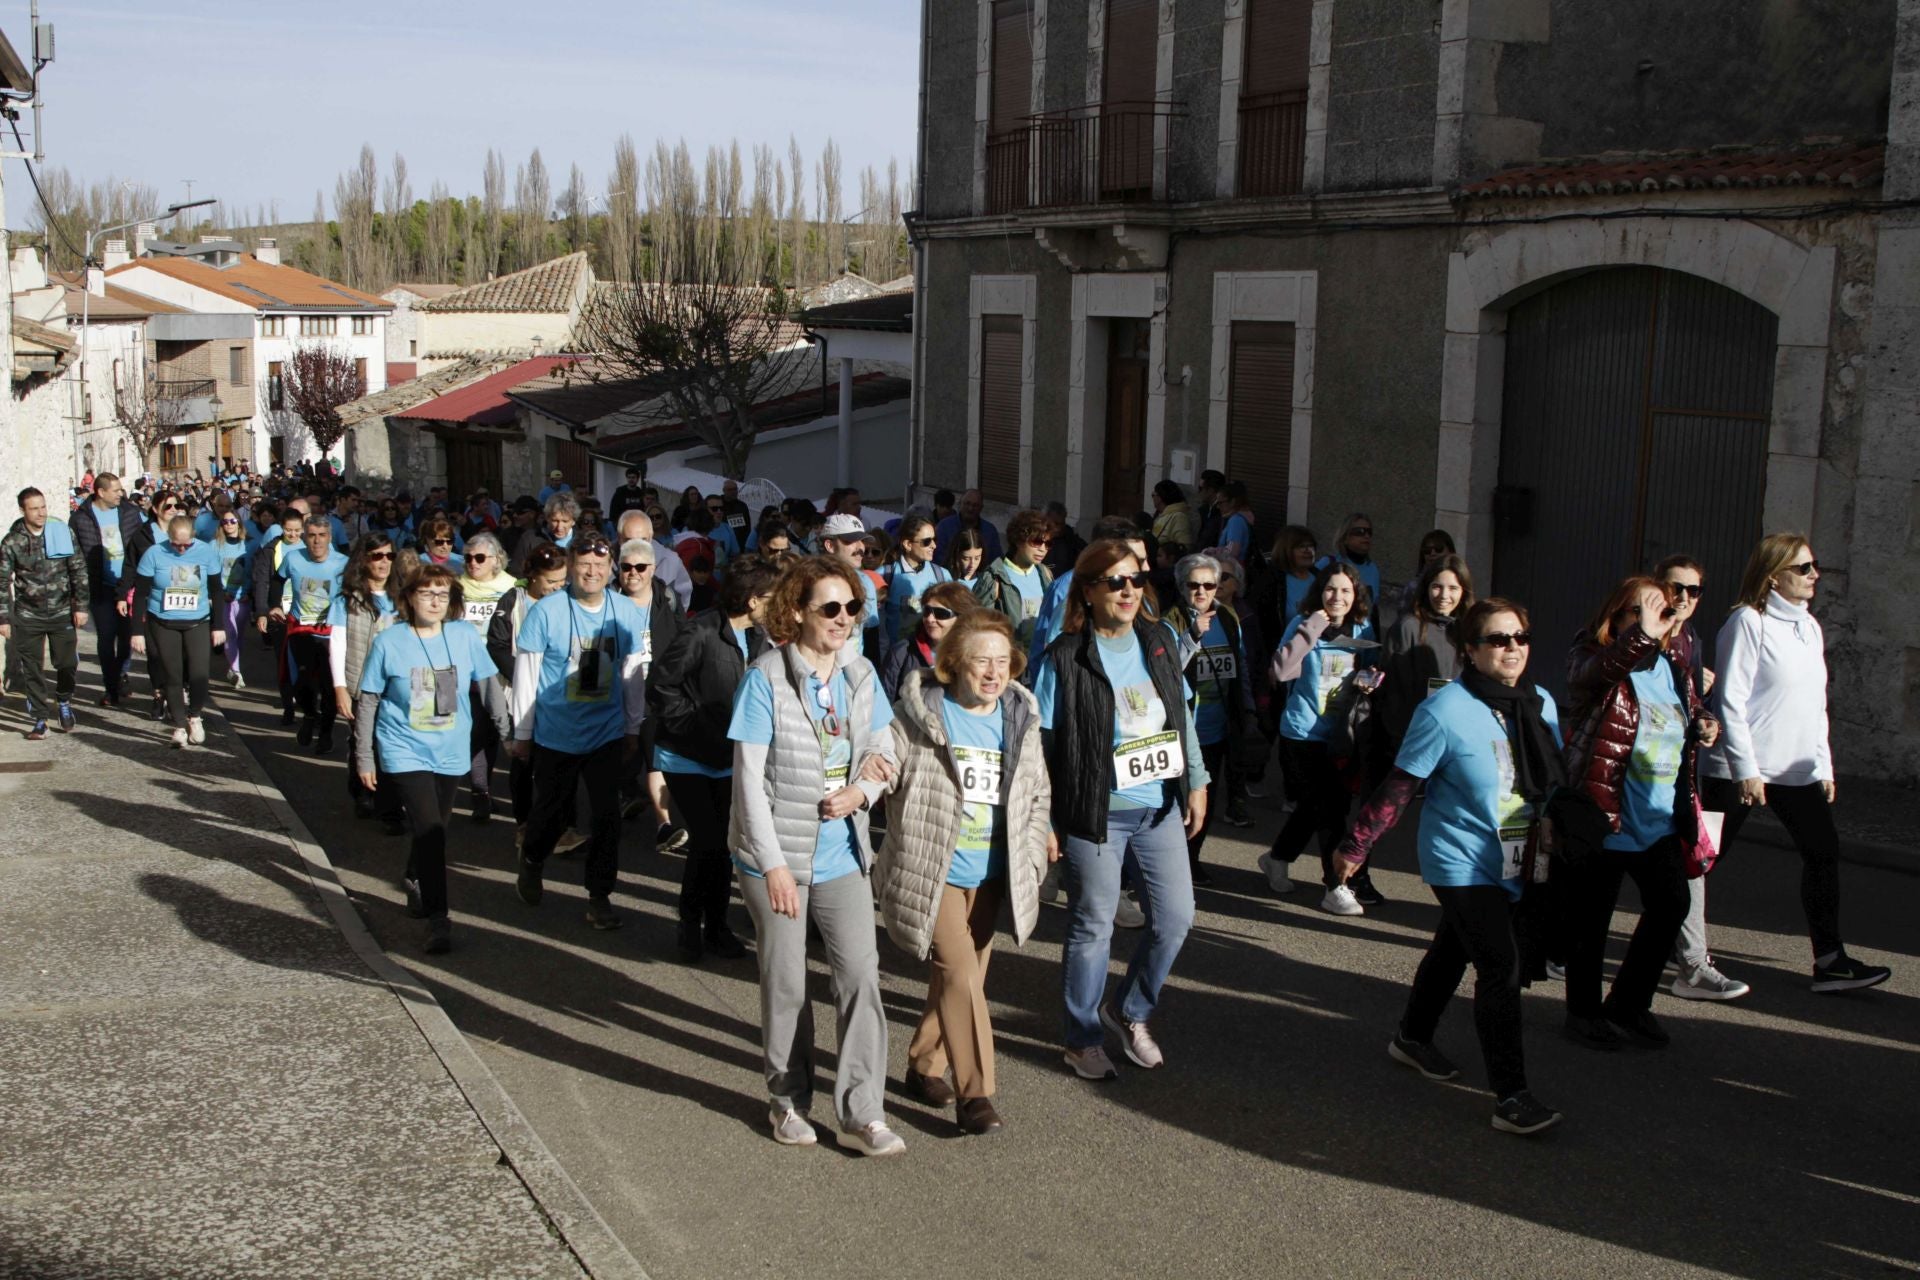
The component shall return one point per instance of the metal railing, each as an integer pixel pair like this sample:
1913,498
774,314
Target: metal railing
183,388
1101,153
1273,144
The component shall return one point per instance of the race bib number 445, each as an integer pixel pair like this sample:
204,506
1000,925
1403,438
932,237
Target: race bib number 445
1154,758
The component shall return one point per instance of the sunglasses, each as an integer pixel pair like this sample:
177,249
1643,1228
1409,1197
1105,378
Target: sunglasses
478,557
1118,581
1681,588
1360,533
1039,542
924,542
1202,586
379,555
830,721
834,608
593,549
443,542
1806,570
635,568
1506,639
229,520
939,613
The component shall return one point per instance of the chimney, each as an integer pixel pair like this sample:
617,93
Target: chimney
141,235
28,273
114,254
96,282
268,251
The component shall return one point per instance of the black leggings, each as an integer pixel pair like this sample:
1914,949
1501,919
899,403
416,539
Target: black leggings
1476,927
706,881
428,798
1588,891
1321,805
1808,818
178,659
1214,756
314,690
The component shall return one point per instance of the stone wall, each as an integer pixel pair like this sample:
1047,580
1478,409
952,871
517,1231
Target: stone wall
1380,110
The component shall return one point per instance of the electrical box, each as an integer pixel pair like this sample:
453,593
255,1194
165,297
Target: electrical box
43,43
1180,466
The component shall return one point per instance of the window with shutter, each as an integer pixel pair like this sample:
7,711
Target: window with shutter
1008,133
1002,340
1260,418
1273,97
1126,121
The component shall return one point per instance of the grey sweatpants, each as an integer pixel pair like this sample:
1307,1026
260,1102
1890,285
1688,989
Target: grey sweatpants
842,908
1691,949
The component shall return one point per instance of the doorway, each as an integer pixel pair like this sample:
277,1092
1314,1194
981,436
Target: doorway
1129,346
1634,427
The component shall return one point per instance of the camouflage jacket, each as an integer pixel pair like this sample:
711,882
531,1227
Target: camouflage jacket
35,590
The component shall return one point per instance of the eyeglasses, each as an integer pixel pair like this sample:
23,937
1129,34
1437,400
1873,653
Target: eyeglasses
1193,587
1806,570
1362,532
1692,590
1118,581
1506,639
939,613
379,555
635,568
441,596
834,608
830,721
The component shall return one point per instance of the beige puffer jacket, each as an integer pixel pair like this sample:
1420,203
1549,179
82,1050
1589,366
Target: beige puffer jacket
924,814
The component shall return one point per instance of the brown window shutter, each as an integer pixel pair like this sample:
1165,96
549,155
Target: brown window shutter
1133,39
1273,97
1260,419
1001,357
1012,66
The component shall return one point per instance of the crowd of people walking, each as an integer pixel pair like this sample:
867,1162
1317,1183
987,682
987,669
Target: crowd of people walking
949,725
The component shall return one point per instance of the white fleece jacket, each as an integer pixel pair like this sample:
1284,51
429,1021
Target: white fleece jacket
1772,697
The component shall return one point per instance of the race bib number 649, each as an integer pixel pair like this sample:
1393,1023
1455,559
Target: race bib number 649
1154,758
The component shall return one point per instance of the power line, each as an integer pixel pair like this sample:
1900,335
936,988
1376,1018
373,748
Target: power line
53,223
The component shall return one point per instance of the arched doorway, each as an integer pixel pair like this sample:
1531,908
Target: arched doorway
1634,426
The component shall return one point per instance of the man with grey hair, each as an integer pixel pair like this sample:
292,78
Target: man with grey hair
558,515
668,567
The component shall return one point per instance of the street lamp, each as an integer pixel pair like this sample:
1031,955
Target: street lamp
86,302
214,406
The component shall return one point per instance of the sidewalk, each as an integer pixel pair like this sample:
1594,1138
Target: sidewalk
1879,825
202,1075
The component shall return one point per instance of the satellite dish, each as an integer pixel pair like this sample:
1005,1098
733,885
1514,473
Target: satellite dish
761,493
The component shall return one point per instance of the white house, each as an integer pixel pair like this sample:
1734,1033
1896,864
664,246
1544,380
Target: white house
524,314
251,304
403,326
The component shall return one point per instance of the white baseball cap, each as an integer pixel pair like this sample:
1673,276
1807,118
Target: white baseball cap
842,525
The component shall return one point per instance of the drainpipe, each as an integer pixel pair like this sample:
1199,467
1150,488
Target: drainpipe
916,445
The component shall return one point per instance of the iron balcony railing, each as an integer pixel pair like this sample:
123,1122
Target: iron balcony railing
183,388
1101,153
1273,144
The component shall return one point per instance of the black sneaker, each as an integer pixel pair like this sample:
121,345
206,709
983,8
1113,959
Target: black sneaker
286,718
325,746
416,906
600,913
668,838
160,707
1848,974
1523,1114
67,722
305,736
363,807
531,882
1201,875
1595,1033
723,943
688,940
439,936
1642,1029
482,807
394,825
1424,1058
38,733
1364,892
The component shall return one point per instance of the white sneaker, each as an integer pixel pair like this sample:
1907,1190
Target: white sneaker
1128,915
1707,983
1135,1040
790,1128
1557,972
1091,1064
180,739
1277,878
874,1140
1050,884
196,730
239,681
1341,902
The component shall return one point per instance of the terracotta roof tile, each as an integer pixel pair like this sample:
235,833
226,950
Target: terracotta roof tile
485,403
263,286
549,287
1854,166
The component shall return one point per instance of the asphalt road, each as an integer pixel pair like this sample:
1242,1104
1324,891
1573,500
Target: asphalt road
1776,1137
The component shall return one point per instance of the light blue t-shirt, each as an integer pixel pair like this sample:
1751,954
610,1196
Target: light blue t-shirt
1218,662
978,741
1659,744
1237,535
667,760
1032,598
206,525
1304,718
108,518
579,711
313,588
904,589
1139,717
1296,592
236,560
833,854
1473,826
870,616
1053,616
181,580
417,729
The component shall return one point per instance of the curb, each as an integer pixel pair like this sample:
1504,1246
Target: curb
1863,853
566,1208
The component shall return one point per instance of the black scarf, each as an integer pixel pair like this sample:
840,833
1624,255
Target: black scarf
1537,768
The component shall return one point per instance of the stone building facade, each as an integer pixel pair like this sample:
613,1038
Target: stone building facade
1585,285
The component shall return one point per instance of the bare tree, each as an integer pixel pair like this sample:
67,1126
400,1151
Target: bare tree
532,200
354,193
803,272
705,332
78,210
436,256
147,413
493,200
317,379
623,211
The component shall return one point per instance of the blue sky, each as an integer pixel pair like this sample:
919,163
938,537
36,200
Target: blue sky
263,100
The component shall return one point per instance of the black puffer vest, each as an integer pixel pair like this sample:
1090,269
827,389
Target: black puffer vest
1080,744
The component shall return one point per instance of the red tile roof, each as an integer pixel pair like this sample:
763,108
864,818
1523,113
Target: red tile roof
264,286
1855,166
550,287
485,403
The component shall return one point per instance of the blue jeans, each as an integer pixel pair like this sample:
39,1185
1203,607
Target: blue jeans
1153,843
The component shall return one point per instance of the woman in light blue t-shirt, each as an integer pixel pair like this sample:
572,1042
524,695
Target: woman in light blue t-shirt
179,606
1488,748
